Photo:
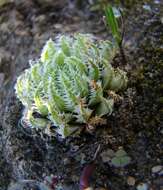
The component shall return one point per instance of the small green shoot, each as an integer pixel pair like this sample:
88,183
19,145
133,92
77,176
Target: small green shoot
112,23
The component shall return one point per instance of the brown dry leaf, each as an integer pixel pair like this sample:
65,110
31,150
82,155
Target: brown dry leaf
94,121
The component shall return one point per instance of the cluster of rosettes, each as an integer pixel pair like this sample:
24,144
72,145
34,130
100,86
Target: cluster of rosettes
68,87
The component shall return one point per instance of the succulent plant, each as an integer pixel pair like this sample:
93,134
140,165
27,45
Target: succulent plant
68,86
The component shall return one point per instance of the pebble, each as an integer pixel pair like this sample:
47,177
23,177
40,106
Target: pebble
107,155
161,20
161,131
157,1
74,148
142,186
131,181
147,7
58,26
40,18
2,77
157,169
161,173
66,161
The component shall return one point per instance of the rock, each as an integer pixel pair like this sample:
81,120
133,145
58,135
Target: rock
40,19
161,173
156,1
66,161
24,185
147,7
42,186
131,181
53,3
158,183
142,186
2,77
3,2
161,20
157,169
107,155
58,26
67,187
161,131
74,148
5,57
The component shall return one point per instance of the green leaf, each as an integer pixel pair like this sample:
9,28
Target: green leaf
107,51
55,97
121,159
48,51
105,107
59,58
107,76
120,153
94,72
54,114
37,122
81,85
119,80
68,89
66,130
85,114
35,75
42,108
65,45
96,92
116,161
112,23
77,64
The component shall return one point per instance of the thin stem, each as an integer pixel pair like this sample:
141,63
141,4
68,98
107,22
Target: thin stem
123,56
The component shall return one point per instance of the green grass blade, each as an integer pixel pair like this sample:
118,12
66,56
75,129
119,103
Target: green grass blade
112,23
